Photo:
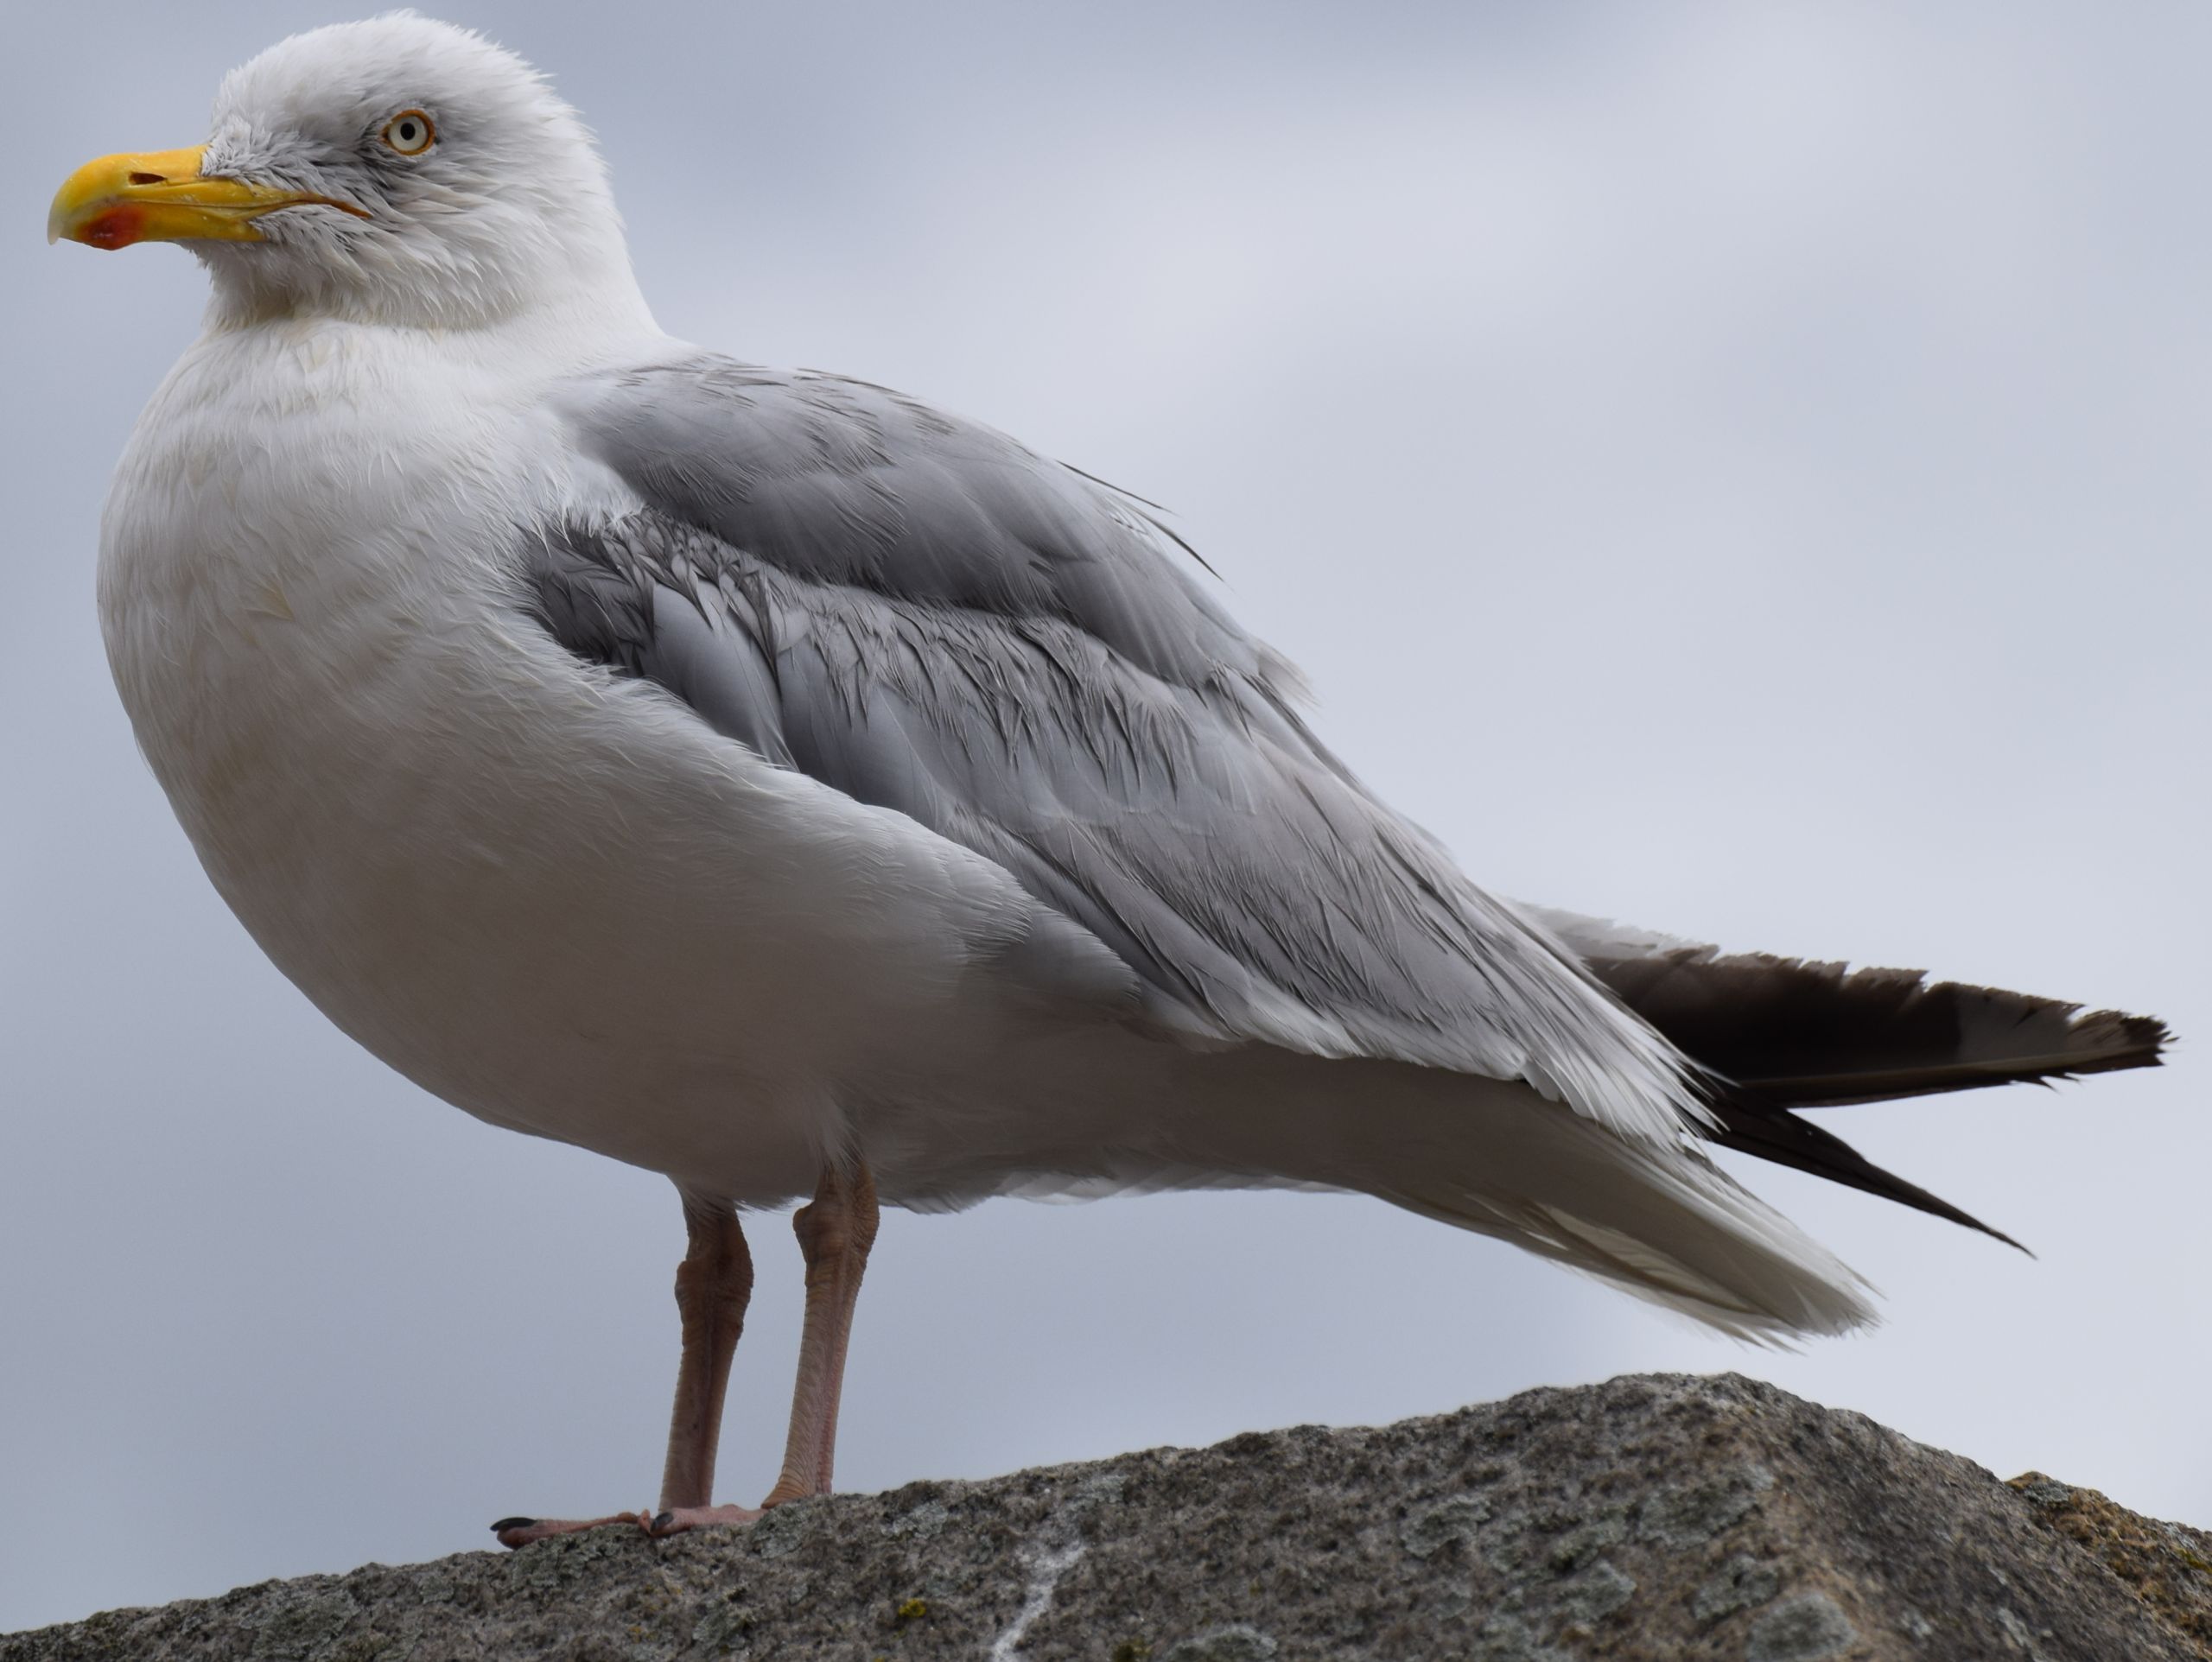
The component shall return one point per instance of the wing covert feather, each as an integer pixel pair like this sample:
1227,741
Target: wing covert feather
918,612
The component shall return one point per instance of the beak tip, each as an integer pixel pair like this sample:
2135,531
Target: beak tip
65,220
113,201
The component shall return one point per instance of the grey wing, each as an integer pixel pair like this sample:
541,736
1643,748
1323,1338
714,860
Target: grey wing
923,614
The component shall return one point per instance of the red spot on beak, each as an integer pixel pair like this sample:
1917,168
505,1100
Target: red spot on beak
119,227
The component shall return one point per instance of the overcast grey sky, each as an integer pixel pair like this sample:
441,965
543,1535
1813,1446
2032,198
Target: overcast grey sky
1738,468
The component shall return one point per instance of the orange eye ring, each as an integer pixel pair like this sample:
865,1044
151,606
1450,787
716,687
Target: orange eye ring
409,133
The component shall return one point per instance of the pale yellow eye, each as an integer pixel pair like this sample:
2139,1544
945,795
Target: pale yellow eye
410,132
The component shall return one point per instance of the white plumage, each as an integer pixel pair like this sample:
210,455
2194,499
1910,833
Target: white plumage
772,782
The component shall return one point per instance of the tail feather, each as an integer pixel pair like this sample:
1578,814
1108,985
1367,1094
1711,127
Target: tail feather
1688,1241
1659,1220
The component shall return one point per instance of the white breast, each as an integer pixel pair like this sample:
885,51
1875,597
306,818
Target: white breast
549,896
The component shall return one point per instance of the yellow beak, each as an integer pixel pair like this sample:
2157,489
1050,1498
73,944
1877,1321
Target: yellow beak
163,197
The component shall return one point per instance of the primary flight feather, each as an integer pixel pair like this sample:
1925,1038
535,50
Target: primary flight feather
775,782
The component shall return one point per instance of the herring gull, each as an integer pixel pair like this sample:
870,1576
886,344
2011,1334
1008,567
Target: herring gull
775,782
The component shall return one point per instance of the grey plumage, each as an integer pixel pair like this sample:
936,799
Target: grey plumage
930,617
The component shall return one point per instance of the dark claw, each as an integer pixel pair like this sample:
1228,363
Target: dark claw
663,1521
506,1524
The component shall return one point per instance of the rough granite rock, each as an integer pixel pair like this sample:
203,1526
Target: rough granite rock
2169,1565
1650,1517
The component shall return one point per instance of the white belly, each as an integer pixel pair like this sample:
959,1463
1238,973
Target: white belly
553,898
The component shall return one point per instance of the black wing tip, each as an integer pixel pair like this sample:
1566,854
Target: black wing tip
1772,1133
1994,1233
1807,1033
2119,1040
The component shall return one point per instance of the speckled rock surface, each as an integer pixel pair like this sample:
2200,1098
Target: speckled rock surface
2168,1565
1647,1518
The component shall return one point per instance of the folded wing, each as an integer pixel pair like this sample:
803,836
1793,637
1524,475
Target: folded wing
924,615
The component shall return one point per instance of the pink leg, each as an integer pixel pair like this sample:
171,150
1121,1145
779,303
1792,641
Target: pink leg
834,1233
712,1284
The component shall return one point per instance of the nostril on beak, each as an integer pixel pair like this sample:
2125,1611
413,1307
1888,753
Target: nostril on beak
149,178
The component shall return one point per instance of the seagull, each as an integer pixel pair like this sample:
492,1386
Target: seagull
775,782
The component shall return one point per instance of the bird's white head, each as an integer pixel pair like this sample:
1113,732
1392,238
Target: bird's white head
397,170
